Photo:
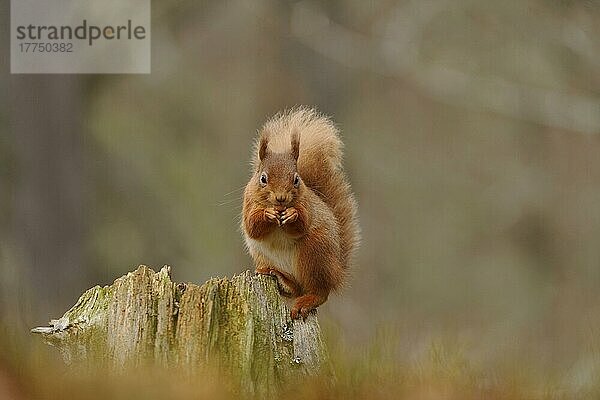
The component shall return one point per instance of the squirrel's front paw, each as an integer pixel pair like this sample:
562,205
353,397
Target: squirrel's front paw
289,216
272,215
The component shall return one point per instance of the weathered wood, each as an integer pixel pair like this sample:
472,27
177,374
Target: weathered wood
240,324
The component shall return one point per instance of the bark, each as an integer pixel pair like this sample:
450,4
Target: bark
240,324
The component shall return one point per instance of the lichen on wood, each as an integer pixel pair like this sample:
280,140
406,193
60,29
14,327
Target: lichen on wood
241,324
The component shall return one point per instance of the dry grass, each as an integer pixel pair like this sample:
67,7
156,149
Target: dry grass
30,370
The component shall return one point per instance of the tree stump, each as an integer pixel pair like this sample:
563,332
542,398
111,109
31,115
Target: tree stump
242,325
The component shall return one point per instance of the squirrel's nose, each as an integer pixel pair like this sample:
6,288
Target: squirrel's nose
280,198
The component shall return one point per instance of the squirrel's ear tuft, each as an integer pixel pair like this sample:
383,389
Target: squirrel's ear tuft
262,147
295,145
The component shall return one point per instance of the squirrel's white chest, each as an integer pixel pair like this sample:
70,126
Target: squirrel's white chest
279,248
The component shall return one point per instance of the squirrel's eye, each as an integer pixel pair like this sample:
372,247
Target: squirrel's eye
263,178
296,180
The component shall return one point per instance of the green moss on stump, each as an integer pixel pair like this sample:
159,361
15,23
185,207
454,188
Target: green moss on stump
240,324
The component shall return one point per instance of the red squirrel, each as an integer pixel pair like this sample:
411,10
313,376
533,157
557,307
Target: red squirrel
300,218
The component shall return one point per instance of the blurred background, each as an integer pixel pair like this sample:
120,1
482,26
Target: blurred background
471,132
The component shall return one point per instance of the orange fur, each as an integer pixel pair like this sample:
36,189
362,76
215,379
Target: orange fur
304,231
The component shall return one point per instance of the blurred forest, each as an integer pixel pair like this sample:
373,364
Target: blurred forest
472,143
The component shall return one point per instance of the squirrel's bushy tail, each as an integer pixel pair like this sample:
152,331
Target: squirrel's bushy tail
319,165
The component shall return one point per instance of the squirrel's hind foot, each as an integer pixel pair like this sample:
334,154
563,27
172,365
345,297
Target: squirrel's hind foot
305,304
287,285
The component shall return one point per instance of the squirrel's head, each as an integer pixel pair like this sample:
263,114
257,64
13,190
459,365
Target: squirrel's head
277,178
